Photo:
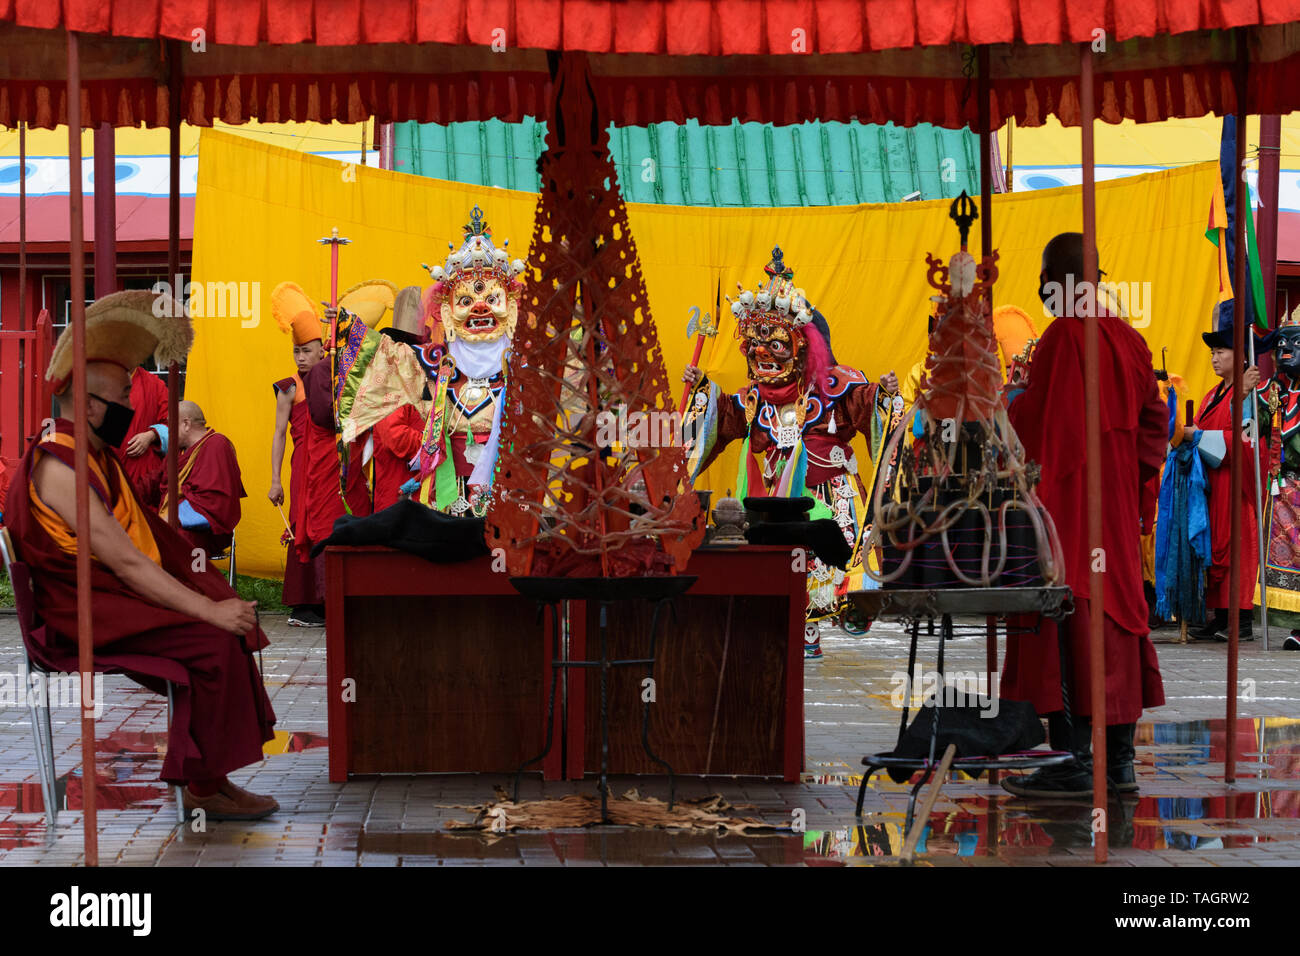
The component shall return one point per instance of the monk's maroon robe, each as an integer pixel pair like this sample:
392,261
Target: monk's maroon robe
222,714
149,399
303,584
1215,414
213,488
323,505
1049,418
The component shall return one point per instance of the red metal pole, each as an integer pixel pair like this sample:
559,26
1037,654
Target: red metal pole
1092,415
174,271
986,249
1239,321
1270,151
105,192
22,237
986,160
81,465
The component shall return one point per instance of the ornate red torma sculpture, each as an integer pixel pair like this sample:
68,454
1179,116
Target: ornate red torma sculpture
965,511
567,500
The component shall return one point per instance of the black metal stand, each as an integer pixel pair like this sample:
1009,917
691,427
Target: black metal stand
913,605
549,592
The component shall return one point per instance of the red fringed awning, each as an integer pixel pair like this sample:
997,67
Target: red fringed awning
674,27
904,61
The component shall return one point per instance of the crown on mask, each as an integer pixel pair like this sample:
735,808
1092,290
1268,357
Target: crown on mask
1291,320
477,256
773,302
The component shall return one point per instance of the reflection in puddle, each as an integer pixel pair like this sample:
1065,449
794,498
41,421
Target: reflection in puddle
127,774
1003,825
1188,751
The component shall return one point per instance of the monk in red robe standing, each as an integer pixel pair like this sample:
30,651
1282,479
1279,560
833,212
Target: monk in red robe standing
1048,417
1215,415
155,617
300,592
209,480
141,452
314,499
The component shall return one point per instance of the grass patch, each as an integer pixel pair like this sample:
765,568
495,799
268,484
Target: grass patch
265,592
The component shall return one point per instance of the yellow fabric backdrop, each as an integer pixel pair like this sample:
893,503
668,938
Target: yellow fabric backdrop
260,210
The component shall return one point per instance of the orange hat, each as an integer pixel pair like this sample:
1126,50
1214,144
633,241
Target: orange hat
1013,329
295,312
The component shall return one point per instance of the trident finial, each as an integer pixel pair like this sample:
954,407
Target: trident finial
777,269
963,212
476,225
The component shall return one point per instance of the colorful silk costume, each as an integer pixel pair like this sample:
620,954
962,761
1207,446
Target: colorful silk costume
796,419
1282,502
475,296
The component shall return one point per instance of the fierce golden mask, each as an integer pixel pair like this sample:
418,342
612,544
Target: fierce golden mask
479,309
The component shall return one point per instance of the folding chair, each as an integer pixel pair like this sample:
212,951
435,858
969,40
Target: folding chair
42,731
228,555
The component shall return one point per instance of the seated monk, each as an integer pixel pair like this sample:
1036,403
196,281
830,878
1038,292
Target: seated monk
154,616
210,486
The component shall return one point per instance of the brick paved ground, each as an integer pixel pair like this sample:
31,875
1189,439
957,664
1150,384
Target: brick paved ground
1186,814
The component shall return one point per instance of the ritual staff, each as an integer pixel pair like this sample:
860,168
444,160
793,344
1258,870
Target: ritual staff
796,417
141,452
155,617
209,482
1048,416
1214,418
1282,396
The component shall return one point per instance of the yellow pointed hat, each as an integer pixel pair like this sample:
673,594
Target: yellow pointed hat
295,312
1013,329
125,328
369,300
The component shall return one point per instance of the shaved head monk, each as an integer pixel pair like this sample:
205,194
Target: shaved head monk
1049,418
155,617
209,482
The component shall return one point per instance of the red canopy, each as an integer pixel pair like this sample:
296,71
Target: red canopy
652,60
676,27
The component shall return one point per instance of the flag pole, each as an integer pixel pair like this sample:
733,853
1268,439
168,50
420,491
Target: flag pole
1258,434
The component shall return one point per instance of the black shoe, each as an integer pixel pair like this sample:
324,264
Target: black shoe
1292,643
1062,782
1245,628
305,617
1213,624
1119,757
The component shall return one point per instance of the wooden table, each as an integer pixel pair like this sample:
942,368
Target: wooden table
450,666
450,669
728,674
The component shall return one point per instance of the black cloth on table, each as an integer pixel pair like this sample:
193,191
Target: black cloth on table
823,536
412,527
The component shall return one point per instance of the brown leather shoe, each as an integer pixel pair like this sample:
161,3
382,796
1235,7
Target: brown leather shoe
230,803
